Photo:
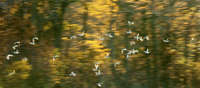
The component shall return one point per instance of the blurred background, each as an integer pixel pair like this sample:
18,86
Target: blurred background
99,44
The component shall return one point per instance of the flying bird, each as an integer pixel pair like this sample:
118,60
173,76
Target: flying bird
72,74
9,56
166,41
129,32
124,49
16,52
33,40
12,73
130,22
147,51
137,37
15,47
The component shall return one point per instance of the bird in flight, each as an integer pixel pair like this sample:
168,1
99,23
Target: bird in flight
72,74
130,22
124,49
146,37
129,32
16,52
100,84
166,40
15,47
96,67
9,56
147,51
33,40
12,73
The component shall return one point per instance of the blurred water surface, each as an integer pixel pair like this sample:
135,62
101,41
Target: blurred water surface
99,44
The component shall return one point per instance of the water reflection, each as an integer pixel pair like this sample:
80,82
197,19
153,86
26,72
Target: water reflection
99,44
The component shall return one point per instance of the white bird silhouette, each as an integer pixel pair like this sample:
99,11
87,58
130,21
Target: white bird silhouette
116,63
109,35
17,43
146,37
98,73
9,56
107,55
82,34
166,41
101,39
141,39
127,56
33,40
16,52
72,74
147,51
130,23
132,42
129,32
54,57
99,84
192,39
25,59
133,51
124,49
15,47
96,67
12,73
73,37
137,37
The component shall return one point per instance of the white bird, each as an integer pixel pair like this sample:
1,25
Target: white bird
129,32
127,56
15,47
192,39
146,37
117,63
96,67
101,39
16,52
17,43
54,57
133,51
109,35
72,74
99,84
124,49
132,43
98,73
141,39
25,59
107,55
166,41
33,40
12,73
82,34
9,56
130,23
73,37
138,36
147,51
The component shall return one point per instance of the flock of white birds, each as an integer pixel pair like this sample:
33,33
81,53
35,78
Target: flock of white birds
96,69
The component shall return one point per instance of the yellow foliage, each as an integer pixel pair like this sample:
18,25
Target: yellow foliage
26,16
48,26
14,9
